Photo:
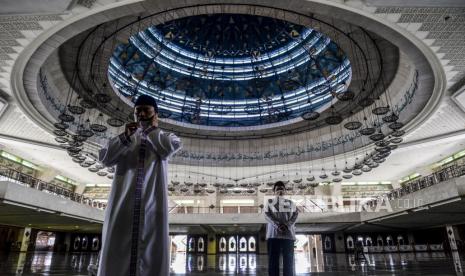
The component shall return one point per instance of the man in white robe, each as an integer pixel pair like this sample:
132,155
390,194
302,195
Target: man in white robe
135,231
281,215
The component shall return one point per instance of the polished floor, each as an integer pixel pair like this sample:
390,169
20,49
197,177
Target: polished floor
439,263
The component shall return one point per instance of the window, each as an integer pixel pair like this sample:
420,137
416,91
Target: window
379,241
232,244
243,245
400,240
252,244
77,243
368,241
222,244
84,243
350,242
389,241
191,247
201,247
95,244
328,243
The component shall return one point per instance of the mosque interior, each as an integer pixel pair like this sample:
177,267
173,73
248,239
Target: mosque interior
357,106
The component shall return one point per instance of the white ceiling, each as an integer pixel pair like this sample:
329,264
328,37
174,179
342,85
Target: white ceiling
57,159
10,7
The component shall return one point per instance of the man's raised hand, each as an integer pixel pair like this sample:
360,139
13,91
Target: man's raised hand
130,129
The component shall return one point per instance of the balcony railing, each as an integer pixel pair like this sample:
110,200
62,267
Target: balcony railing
420,183
35,183
180,209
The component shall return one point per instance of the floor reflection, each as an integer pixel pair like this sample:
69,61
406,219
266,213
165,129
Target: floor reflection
237,263
438,263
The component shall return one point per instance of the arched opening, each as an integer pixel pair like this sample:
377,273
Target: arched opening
389,241
191,245
84,243
368,241
400,240
243,244
379,241
232,244
222,245
77,243
328,243
95,244
200,245
350,242
252,244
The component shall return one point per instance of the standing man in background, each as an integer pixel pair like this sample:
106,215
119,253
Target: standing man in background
281,214
135,231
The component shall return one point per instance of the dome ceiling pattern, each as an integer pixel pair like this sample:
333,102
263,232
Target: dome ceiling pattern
220,70
231,69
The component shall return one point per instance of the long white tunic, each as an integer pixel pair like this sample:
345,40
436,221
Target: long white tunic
280,210
130,238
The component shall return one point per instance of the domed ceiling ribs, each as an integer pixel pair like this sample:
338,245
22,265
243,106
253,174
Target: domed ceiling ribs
249,86
210,99
231,71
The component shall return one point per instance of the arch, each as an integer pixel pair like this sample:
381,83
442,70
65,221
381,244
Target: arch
191,245
379,241
368,241
85,243
232,244
95,244
252,244
328,243
350,242
400,240
222,246
200,245
77,243
389,241
243,244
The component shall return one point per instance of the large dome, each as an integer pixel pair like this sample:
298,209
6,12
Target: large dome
231,69
252,90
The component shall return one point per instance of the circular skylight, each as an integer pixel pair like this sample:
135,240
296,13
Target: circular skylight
231,69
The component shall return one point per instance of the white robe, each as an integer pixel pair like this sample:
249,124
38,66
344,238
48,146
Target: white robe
153,235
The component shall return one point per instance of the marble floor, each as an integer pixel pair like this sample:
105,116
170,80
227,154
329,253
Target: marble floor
439,263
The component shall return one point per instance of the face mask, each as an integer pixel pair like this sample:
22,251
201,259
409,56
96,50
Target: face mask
146,123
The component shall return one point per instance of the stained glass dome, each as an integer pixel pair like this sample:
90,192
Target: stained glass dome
231,69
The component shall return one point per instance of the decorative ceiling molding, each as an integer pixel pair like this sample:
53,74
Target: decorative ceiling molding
443,29
3,106
16,32
459,98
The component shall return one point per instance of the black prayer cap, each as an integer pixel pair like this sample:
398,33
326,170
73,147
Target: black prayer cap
279,184
146,100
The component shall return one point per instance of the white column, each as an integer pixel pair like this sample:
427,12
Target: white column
452,235
24,237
